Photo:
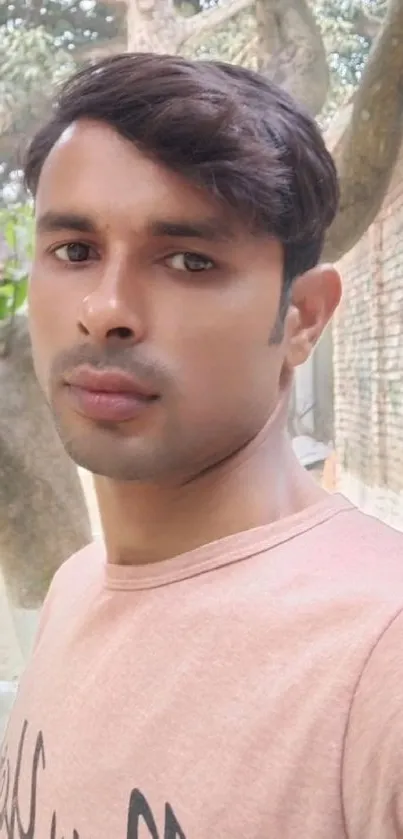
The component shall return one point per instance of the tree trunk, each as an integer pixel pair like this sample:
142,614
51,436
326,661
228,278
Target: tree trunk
43,515
152,26
367,151
155,25
289,48
291,52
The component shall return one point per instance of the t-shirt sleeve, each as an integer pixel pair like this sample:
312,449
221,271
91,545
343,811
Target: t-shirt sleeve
372,775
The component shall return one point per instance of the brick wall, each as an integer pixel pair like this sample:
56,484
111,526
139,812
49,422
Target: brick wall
368,365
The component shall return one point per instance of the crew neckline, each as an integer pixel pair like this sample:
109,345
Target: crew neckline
225,551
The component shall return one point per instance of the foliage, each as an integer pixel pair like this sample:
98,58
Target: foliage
25,85
16,232
347,50
72,24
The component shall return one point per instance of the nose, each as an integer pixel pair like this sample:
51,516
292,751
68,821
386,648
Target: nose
106,315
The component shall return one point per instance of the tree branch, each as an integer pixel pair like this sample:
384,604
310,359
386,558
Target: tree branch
368,149
291,50
93,51
121,5
243,53
198,25
365,25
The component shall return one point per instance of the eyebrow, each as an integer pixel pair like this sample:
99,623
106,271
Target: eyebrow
53,222
210,230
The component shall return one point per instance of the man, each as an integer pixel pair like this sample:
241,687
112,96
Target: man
229,663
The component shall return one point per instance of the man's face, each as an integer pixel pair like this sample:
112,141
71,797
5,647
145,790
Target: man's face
151,311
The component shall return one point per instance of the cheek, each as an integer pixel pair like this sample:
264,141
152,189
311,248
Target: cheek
225,360
48,317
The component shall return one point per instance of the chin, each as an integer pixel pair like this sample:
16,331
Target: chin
98,459
113,459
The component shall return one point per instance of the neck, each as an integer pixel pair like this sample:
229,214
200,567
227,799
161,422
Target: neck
259,485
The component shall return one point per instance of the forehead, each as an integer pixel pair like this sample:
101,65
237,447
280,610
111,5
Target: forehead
92,169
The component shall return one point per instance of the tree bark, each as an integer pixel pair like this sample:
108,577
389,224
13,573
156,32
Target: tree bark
367,151
205,22
43,515
289,46
365,25
291,52
152,26
155,25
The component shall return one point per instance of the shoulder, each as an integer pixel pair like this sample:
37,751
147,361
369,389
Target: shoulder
359,551
83,566
364,533
358,568
373,750
362,573
77,579
368,530
343,558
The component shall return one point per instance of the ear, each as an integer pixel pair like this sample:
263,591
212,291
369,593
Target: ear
314,298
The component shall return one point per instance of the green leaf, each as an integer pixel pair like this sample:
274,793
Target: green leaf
20,293
7,291
4,309
9,233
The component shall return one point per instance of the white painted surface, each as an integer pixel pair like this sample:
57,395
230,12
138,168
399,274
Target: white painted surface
8,691
10,655
25,625
11,662
305,396
88,484
376,501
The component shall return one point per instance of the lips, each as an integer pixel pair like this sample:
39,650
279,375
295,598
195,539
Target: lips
108,395
108,381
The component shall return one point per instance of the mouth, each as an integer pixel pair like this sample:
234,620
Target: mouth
108,396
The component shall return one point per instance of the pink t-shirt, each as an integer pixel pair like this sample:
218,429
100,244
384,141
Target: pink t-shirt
251,689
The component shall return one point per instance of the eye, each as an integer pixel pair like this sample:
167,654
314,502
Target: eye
74,252
191,262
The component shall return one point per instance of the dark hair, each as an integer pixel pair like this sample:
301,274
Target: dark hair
222,126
